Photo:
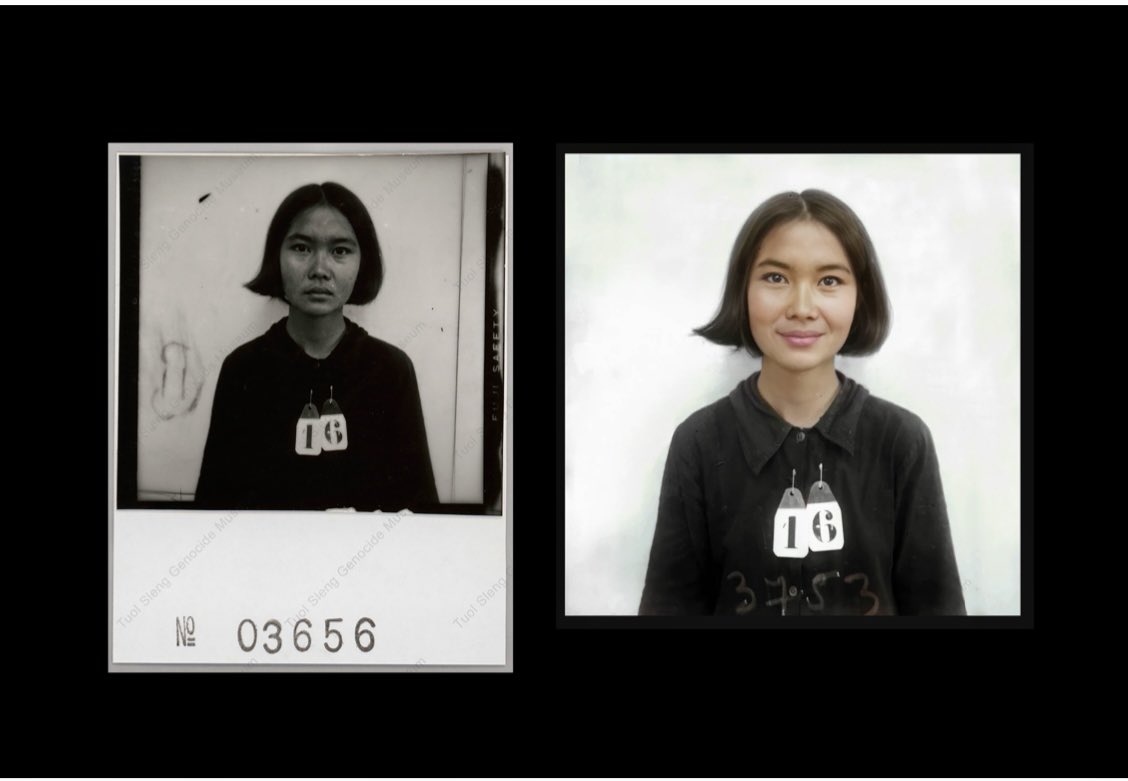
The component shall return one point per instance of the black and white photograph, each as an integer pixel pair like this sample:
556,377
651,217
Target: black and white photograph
311,331
792,384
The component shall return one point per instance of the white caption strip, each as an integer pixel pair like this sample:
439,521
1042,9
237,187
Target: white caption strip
348,588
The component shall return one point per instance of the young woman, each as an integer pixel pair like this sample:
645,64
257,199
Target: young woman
315,413
800,493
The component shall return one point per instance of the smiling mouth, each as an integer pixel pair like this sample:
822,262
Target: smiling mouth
800,339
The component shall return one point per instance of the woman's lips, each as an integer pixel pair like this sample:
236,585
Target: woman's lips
800,338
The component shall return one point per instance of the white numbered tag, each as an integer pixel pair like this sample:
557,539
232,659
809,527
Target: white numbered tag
334,432
307,441
826,519
791,524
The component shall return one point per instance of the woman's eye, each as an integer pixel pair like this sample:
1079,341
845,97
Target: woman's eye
299,247
774,278
341,252
831,281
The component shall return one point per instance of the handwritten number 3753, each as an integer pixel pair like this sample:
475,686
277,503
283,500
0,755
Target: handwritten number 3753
865,592
748,596
749,603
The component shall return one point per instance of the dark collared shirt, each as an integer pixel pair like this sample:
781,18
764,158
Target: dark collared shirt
251,460
728,467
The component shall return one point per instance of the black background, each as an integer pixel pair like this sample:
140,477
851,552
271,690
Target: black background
580,701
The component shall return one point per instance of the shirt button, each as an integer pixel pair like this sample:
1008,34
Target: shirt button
800,437
792,591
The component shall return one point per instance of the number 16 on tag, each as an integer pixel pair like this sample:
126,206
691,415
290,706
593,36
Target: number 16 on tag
308,440
790,538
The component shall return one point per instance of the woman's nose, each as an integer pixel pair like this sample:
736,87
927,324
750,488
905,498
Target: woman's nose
802,302
320,265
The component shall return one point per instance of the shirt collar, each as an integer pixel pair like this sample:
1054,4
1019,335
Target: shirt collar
285,344
762,431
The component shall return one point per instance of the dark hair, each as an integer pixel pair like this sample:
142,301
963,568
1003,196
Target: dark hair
872,314
371,273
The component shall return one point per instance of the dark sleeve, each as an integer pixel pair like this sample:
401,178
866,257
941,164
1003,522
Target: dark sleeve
926,580
675,582
218,486
415,474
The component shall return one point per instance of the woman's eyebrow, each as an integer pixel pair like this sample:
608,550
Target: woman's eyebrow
334,240
820,269
771,262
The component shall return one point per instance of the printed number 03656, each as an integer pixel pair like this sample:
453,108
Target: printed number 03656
302,641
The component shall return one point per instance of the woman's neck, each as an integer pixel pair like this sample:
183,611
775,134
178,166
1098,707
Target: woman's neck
316,335
800,397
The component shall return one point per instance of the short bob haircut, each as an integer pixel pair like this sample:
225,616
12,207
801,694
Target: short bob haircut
371,273
872,315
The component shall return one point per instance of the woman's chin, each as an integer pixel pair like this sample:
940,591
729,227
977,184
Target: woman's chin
316,309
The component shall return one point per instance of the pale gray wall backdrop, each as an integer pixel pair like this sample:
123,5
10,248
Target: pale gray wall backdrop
647,243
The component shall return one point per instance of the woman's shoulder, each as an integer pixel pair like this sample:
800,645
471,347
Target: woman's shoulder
701,424
705,415
251,352
900,426
885,411
371,349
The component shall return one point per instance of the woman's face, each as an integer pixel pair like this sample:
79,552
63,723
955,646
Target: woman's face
320,261
801,296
